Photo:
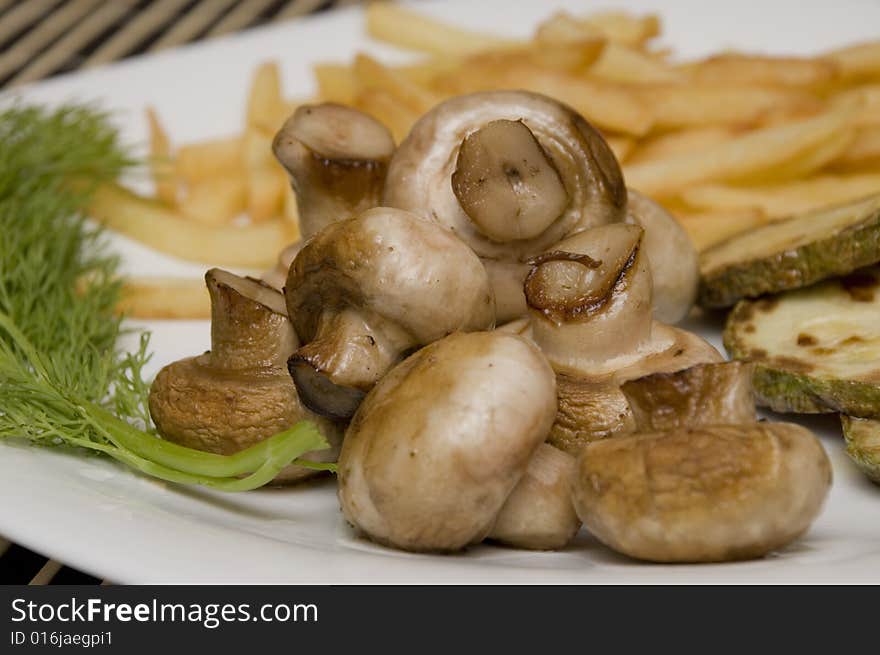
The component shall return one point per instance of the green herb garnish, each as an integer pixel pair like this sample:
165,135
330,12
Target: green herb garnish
63,379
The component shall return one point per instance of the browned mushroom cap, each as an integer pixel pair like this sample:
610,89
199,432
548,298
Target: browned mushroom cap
705,394
539,514
588,410
276,277
439,444
705,494
364,291
672,258
511,172
337,158
239,392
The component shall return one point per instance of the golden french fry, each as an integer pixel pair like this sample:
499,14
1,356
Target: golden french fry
605,104
164,298
265,180
290,211
862,152
574,57
750,153
781,200
564,28
709,228
621,146
689,104
865,100
265,99
215,200
412,30
384,107
625,28
371,74
859,60
683,141
621,63
196,162
157,226
807,163
758,69
161,162
336,83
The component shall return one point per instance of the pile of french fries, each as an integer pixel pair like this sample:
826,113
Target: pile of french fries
726,143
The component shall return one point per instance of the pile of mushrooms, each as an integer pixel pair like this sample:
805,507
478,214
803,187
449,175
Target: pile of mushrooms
481,318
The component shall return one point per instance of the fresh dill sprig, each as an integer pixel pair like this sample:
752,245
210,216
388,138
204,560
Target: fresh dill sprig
63,380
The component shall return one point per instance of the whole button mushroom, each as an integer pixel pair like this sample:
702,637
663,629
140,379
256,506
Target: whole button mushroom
672,258
337,158
512,173
703,494
437,447
365,291
539,514
239,392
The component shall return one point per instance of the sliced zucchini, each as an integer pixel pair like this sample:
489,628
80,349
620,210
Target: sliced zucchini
816,349
863,444
791,253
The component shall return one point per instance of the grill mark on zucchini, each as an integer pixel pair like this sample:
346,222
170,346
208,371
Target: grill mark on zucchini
793,253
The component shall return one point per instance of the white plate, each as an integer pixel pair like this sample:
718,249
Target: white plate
113,523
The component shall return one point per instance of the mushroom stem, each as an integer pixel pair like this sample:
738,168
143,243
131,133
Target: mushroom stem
337,158
243,333
590,298
348,355
507,183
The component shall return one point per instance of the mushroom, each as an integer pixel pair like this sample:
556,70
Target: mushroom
364,291
590,303
590,300
276,277
437,447
512,173
337,158
704,394
672,258
539,514
703,494
238,393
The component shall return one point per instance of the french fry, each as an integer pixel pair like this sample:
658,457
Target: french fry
858,61
164,298
564,28
710,228
414,31
370,74
161,162
265,101
265,180
199,161
574,57
807,163
384,107
215,200
781,200
862,152
290,210
687,105
336,83
866,102
621,63
625,28
161,228
753,152
684,141
605,104
758,69
621,146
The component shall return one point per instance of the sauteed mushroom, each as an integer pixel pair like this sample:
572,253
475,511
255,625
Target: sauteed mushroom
511,173
337,158
438,445
238,393
364,291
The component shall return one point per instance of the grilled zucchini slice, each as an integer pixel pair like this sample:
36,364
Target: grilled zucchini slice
863,444
815,349
791,253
